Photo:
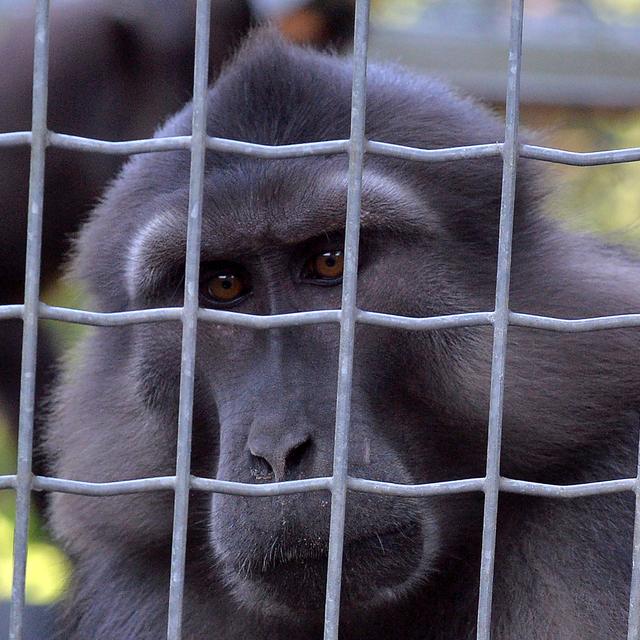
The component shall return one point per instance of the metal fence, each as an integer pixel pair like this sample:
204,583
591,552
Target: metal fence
339,483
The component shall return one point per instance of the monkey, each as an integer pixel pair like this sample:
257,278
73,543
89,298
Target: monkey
264,400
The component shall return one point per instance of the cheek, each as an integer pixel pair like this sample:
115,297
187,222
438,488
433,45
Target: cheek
378,453
386,280
226,351
156,364
312,297
224,333
415,282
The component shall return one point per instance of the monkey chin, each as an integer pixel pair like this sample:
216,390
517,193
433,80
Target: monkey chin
290,583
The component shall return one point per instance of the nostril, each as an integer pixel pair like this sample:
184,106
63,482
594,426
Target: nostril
272,461
297,453
260,469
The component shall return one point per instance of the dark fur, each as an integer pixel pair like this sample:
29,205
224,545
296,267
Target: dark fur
256,567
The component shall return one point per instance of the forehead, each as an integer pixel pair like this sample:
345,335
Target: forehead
260,204
275,202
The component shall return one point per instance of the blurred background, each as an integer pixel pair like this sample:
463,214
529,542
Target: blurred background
119,67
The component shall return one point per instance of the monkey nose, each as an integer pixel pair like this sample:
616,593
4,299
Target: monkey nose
274,458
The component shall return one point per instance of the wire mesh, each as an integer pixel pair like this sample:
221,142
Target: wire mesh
339,484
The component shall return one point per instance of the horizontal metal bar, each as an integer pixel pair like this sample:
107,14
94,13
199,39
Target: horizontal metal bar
277,151
433,155
576,325
15,139
11,311
7,482
115,319
95,318
143,485
173,143
173,314
567,491
416,490
299,318
361,485
421,324
122,487
120,147
580,158
273,489
325,147
217,316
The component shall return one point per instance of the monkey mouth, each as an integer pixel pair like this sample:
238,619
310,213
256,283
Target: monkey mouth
376,567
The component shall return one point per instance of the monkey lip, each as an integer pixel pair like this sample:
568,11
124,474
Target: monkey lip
374,544
373,562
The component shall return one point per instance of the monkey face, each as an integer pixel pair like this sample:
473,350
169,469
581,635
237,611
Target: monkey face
267,397
264,406
264,403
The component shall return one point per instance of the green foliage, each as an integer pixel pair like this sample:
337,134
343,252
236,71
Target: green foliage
47,567
604,199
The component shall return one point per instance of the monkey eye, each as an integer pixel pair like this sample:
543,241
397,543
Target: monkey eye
224,284
324,268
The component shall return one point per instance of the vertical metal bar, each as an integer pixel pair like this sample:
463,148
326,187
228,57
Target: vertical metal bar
347,322
189,320
633,632
30,316
501,323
